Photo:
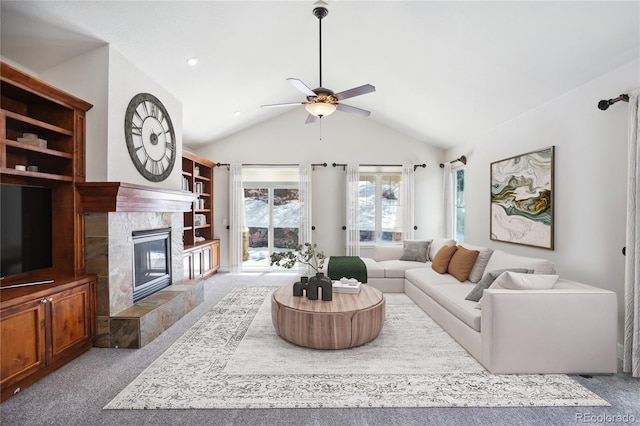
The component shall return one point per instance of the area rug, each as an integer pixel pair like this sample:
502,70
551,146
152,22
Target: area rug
232,358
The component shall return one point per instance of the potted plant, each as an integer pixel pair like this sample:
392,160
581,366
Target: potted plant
306,254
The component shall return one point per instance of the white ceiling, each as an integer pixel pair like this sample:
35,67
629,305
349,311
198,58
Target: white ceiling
445,72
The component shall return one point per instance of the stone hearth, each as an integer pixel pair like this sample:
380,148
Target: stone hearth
112,212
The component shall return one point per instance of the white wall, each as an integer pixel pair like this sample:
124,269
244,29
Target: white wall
345,139
104,78
126,81
86,76
590,179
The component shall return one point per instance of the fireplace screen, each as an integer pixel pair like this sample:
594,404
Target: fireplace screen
151,261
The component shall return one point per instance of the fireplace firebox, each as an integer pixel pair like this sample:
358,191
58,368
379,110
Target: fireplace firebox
151,261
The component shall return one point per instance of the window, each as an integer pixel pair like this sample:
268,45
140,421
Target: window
271,202
458,199
379,207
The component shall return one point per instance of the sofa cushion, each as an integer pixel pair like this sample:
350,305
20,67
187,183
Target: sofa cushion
447,292
462,262
488,279
437,243
374,270
481,262
387,252
442,259
415,250
503,260
424,277
451,297
397,268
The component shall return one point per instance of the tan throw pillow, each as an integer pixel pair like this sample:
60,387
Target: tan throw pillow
441,261
462,262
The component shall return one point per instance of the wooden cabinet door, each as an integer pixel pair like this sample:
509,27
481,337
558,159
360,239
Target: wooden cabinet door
22,341
215,255
197,263
70,320
188,265
207,259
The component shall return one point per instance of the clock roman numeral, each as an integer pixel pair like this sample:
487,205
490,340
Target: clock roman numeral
155,167
154,110
135,130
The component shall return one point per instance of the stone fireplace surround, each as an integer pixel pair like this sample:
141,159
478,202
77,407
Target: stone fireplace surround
112,212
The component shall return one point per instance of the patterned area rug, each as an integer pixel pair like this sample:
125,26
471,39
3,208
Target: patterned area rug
232,358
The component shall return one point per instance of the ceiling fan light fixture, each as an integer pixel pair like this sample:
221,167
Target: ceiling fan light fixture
320,109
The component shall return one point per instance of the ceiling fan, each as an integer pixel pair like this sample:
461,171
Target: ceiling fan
322,101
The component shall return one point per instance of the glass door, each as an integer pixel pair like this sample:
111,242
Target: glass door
272,218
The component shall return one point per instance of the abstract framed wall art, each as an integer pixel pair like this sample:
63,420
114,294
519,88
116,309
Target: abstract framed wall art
522,199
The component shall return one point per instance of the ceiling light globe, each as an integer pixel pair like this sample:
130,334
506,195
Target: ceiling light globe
320,109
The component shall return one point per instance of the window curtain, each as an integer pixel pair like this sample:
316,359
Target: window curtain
236,215
304,235
407,200
631,348
353,230
448,202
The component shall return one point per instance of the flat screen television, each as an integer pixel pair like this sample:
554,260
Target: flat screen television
26,229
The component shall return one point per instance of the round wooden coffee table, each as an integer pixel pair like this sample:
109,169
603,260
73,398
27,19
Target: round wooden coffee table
346,321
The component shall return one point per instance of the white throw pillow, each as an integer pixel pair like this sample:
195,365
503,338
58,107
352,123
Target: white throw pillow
481,262
518,281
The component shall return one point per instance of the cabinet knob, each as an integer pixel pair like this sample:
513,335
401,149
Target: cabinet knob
44,300
51,299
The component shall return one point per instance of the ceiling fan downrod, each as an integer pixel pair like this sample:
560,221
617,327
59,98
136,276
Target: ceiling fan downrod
320,12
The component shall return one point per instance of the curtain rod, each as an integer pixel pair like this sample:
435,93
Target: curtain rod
415,166
462,159
606,103
227,165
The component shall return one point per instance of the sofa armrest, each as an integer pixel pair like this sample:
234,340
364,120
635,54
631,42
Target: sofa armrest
549,331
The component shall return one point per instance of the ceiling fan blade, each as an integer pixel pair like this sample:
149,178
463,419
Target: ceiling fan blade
311,119
301,86
353,110
356,91
282,105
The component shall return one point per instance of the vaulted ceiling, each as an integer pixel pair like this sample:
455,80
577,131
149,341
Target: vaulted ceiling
445,72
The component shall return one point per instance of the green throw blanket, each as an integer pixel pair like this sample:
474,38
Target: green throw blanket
347,266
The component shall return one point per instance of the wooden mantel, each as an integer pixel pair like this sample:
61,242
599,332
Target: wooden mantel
101,197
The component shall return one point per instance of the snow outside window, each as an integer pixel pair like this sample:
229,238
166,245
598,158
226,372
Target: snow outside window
379,207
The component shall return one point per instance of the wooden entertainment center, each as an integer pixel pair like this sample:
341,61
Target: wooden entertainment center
47,316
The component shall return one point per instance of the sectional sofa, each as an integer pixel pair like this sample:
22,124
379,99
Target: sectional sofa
562,327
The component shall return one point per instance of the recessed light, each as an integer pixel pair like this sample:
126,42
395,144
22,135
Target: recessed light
237,113
192,61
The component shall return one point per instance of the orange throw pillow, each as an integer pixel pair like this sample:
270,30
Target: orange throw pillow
441,261
462,262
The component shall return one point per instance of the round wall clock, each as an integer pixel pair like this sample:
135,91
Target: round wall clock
150,137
